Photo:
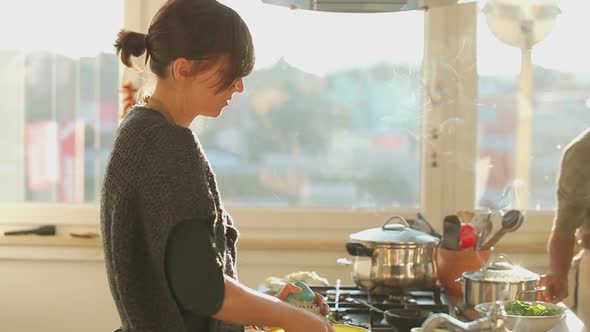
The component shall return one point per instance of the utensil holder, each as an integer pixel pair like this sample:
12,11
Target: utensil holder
451,264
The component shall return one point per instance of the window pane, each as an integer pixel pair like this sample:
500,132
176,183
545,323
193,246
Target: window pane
331,114
561,88
58,95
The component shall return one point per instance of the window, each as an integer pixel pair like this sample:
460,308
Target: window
560,111
331,116
59,99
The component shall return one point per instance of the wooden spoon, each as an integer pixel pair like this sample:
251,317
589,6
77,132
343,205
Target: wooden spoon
511,221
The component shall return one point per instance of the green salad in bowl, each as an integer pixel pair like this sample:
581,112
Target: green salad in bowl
521,308
524,316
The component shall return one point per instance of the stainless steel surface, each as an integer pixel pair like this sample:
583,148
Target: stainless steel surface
396,268
499,280
393,258
366,305
476,292
493,322
483,226
355,314
395,231
402,311
337,298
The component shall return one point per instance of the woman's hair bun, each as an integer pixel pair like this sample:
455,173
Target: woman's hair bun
130,43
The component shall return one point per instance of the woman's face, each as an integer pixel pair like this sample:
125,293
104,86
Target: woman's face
201,94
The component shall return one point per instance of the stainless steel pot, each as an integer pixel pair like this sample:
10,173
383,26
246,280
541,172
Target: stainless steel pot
393,257
499,280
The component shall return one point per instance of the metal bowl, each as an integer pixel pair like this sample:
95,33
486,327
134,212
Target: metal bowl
517,323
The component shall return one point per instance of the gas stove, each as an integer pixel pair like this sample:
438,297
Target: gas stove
412,307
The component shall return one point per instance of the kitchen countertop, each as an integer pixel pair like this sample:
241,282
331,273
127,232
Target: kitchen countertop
50,241
571,322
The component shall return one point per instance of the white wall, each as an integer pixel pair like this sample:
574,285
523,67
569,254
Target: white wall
65,295
55,296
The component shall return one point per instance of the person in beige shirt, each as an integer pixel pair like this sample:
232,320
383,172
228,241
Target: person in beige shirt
572,216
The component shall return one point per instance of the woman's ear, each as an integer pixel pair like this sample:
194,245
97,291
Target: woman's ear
181,69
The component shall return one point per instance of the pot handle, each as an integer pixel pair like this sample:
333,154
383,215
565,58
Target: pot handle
494,259
357,249
400,220
521,293
460,280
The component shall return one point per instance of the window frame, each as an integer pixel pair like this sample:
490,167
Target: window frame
443,189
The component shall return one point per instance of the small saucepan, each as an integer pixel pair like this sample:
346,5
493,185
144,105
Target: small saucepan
401,320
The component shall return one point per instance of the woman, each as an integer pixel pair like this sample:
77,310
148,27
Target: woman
170,246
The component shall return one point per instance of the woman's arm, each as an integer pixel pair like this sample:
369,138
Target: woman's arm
199,286
244,305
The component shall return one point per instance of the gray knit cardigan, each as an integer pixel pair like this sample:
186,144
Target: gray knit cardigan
157,177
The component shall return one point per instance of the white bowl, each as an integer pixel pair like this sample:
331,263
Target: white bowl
419,329
526,323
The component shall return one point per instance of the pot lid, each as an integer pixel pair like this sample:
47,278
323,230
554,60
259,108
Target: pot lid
500,269
394,231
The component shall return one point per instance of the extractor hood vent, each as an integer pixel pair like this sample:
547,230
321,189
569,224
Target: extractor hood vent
357,6
363,6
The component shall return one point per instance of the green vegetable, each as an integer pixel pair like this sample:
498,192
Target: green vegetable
331,318
520,308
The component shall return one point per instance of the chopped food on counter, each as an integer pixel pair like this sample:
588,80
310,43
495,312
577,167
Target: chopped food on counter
274,284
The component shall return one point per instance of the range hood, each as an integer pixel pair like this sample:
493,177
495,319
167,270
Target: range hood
364,6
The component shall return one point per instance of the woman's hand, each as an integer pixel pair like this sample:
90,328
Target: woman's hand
290,288
307,322
556,288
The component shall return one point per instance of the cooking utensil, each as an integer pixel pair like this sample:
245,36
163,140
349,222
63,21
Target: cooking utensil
42,230
393,257
426,226
450,265
483,227
366,304
337,298
400,319
511,221
451,232
467,236
499,280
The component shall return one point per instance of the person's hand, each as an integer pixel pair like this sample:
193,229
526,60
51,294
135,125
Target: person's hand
290,288
308,322
556,288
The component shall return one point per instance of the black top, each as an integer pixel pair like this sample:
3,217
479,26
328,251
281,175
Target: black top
193,274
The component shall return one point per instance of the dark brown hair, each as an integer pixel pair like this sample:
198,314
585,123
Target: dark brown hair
201,30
